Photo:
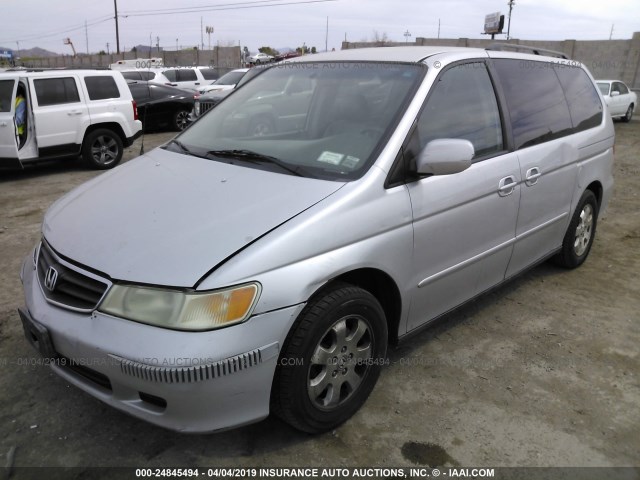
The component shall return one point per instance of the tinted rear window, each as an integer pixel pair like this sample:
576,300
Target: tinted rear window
101,88
582,97
209,73
535,99
187,76
54,91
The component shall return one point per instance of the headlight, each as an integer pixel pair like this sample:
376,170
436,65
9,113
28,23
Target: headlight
182,310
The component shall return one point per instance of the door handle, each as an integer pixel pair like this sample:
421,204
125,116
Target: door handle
531,177
74,112
506,186
3,124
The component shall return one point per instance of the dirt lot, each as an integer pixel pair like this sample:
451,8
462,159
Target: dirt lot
542,372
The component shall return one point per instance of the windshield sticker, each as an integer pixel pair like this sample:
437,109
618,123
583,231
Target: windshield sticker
331,157
350,162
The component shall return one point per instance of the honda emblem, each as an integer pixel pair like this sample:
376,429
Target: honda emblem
50,279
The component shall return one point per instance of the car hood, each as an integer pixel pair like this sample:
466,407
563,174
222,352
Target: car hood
168,219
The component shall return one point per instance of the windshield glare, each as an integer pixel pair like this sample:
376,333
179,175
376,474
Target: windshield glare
327,120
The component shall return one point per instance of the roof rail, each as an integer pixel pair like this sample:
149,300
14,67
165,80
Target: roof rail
524,49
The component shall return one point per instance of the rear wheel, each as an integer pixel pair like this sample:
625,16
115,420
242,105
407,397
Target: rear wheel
102,149
627,117
580,234
331,359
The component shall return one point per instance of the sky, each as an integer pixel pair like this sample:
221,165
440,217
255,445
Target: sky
292,23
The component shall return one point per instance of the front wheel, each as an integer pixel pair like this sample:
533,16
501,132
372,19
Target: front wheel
331,359
102,149
180,120
627,117
580,234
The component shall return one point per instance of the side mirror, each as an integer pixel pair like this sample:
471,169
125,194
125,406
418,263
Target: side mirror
615,93
445,157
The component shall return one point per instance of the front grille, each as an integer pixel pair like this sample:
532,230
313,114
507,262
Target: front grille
207,105
70,288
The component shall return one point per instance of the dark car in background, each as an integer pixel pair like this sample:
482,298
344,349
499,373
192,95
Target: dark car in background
210,98
161,106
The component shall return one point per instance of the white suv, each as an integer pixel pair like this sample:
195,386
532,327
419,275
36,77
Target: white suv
68,113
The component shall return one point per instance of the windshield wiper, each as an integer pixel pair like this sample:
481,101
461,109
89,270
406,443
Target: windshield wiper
255,157
182,147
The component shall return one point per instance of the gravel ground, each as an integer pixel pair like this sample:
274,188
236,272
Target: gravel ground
541,372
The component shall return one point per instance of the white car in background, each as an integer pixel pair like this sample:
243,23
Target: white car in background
226,82
260,58
187,78
620,99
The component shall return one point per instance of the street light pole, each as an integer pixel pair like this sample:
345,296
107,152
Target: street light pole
511,4
115,6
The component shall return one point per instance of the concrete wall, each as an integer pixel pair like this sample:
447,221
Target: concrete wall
615,59
223,57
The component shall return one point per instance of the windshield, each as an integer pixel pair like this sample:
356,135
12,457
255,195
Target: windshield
604,88
230,78
322,120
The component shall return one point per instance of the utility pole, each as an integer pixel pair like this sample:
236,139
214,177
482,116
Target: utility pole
326,37
201,36
86,36
511,4
438,28
406,36
115,6
108,48
611,33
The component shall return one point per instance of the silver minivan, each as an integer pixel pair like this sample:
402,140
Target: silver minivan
241,270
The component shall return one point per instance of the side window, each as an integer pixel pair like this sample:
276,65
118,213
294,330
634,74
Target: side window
462,105
535,99
101,88
55,91
622,88
583,99
187,75
171,75
139,92
6,95
147,75
132,75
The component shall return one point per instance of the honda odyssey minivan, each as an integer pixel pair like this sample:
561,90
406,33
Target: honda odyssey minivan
238,271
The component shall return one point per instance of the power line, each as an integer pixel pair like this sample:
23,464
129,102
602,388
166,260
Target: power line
97,21
218,8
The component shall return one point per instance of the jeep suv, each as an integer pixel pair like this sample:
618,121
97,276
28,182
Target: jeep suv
68,113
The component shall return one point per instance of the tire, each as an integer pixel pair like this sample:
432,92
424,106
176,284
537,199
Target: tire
331,359
261,125
627,117
180,120
580,234
102,149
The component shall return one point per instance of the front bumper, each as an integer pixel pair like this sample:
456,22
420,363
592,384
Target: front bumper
185,381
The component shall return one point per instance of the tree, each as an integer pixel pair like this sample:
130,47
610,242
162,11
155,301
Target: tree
313,50
269,51
380,39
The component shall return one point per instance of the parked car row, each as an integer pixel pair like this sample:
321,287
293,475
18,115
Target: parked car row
188,78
